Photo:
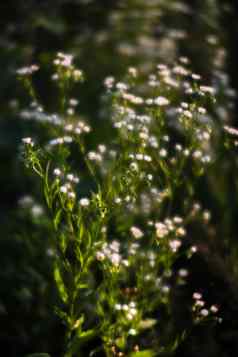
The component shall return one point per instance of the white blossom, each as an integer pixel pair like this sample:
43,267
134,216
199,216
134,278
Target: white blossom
136,232
161,101
84,202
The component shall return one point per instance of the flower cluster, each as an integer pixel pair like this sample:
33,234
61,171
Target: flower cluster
129,310
127,224
65,68
111,252
202,311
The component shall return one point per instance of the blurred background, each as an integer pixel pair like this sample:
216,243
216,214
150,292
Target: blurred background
106,37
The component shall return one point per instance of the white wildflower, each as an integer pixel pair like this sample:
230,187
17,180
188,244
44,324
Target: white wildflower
161,101
136,232
197,296
57,172
27,141
84,202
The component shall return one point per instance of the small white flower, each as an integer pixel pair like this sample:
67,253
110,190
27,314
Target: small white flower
178,147
73,102
184,105
139,156
100,256
161,101
115,259
133,311
147,158
180,70
175,244
68,127
177,220
231,130
121,86
204,312
197,296
206,216
214,309
132,332
193,249
70,177
186,152
27,141
161,230
109,82
55,77
57,172
25,71
129,316
76,179
117,200
71,195
180,232
165,289
197,154
166,138
196,77
149,101
132,304
125,262
77,74
132,71
94,156
127,198
162,67
63,189
207,89
67,139
70,111
183,273
200,303
84,202
144,136
206,135
136,232
206,159
37,211
202,110
188,114
163,153
102,148
134,166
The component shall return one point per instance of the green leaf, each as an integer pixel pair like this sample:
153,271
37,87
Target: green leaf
57,218
81,231
164,168
79,255
80,339
86,335
62,242
78,324
60,284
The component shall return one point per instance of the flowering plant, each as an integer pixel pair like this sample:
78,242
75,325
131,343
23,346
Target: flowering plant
121,211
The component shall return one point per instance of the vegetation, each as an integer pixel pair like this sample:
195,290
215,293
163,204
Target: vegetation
120,233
